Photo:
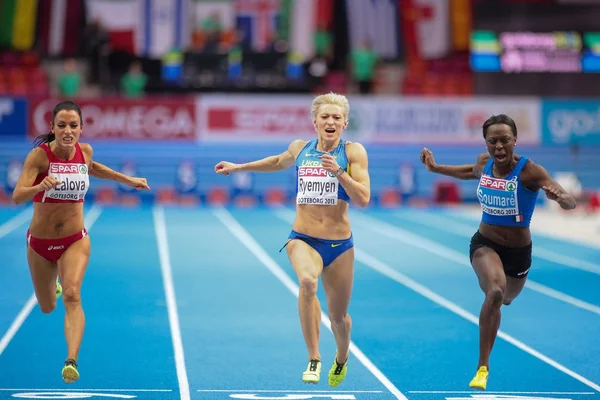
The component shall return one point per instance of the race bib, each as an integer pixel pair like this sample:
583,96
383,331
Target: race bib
75,181
498,196
317,186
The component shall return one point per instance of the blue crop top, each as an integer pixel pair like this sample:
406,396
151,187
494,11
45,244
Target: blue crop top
505,201
314,185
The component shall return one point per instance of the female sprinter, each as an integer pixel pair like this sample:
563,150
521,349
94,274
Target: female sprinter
331,172
500,250
56,177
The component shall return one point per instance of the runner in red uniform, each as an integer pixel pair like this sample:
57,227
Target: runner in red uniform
55,177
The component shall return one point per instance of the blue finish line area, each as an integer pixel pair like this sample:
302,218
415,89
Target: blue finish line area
198,303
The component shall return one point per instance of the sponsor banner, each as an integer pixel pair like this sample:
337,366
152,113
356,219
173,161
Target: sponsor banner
448,121
571,121
160,118
13,117
255,118
372,120
271,118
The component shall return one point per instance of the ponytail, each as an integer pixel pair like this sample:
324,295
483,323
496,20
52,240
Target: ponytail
44,138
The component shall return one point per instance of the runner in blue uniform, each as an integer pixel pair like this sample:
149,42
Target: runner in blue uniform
331,172
500,251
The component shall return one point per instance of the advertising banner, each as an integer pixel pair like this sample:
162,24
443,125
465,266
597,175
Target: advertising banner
372,119
448,121
571,121
255,118
13,117
154,118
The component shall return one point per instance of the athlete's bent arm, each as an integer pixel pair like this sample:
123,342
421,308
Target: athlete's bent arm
24,191
465,172
267,164
101,171
554,191
358,183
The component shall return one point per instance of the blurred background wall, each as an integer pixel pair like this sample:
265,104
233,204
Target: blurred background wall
170,87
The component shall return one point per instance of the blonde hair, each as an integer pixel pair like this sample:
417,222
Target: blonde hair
330,98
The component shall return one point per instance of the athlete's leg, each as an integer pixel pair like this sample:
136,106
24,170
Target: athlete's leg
337,283
514,286
71,267
492,280
307,264
43,276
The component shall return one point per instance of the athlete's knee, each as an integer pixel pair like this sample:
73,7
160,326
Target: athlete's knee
71,294
495,295
338,320
308,285
48,307
507,301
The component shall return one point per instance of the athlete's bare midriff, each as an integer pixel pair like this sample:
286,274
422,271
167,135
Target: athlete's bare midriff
509,236
56,220
324,222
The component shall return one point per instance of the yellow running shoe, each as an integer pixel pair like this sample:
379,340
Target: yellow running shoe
479,382
69,371
58,288
337,373
313,371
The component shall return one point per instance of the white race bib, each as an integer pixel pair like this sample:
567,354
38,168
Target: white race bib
75,181
317,186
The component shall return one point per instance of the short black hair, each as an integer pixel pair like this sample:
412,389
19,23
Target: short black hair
500,119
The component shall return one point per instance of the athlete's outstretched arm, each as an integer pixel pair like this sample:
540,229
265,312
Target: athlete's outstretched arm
466,171
34,163
554,191
357,182
267,164
101,171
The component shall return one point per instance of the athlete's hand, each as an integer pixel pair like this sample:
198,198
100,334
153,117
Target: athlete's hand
554,192
138,183
428,160
48,183
226,168
329,163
